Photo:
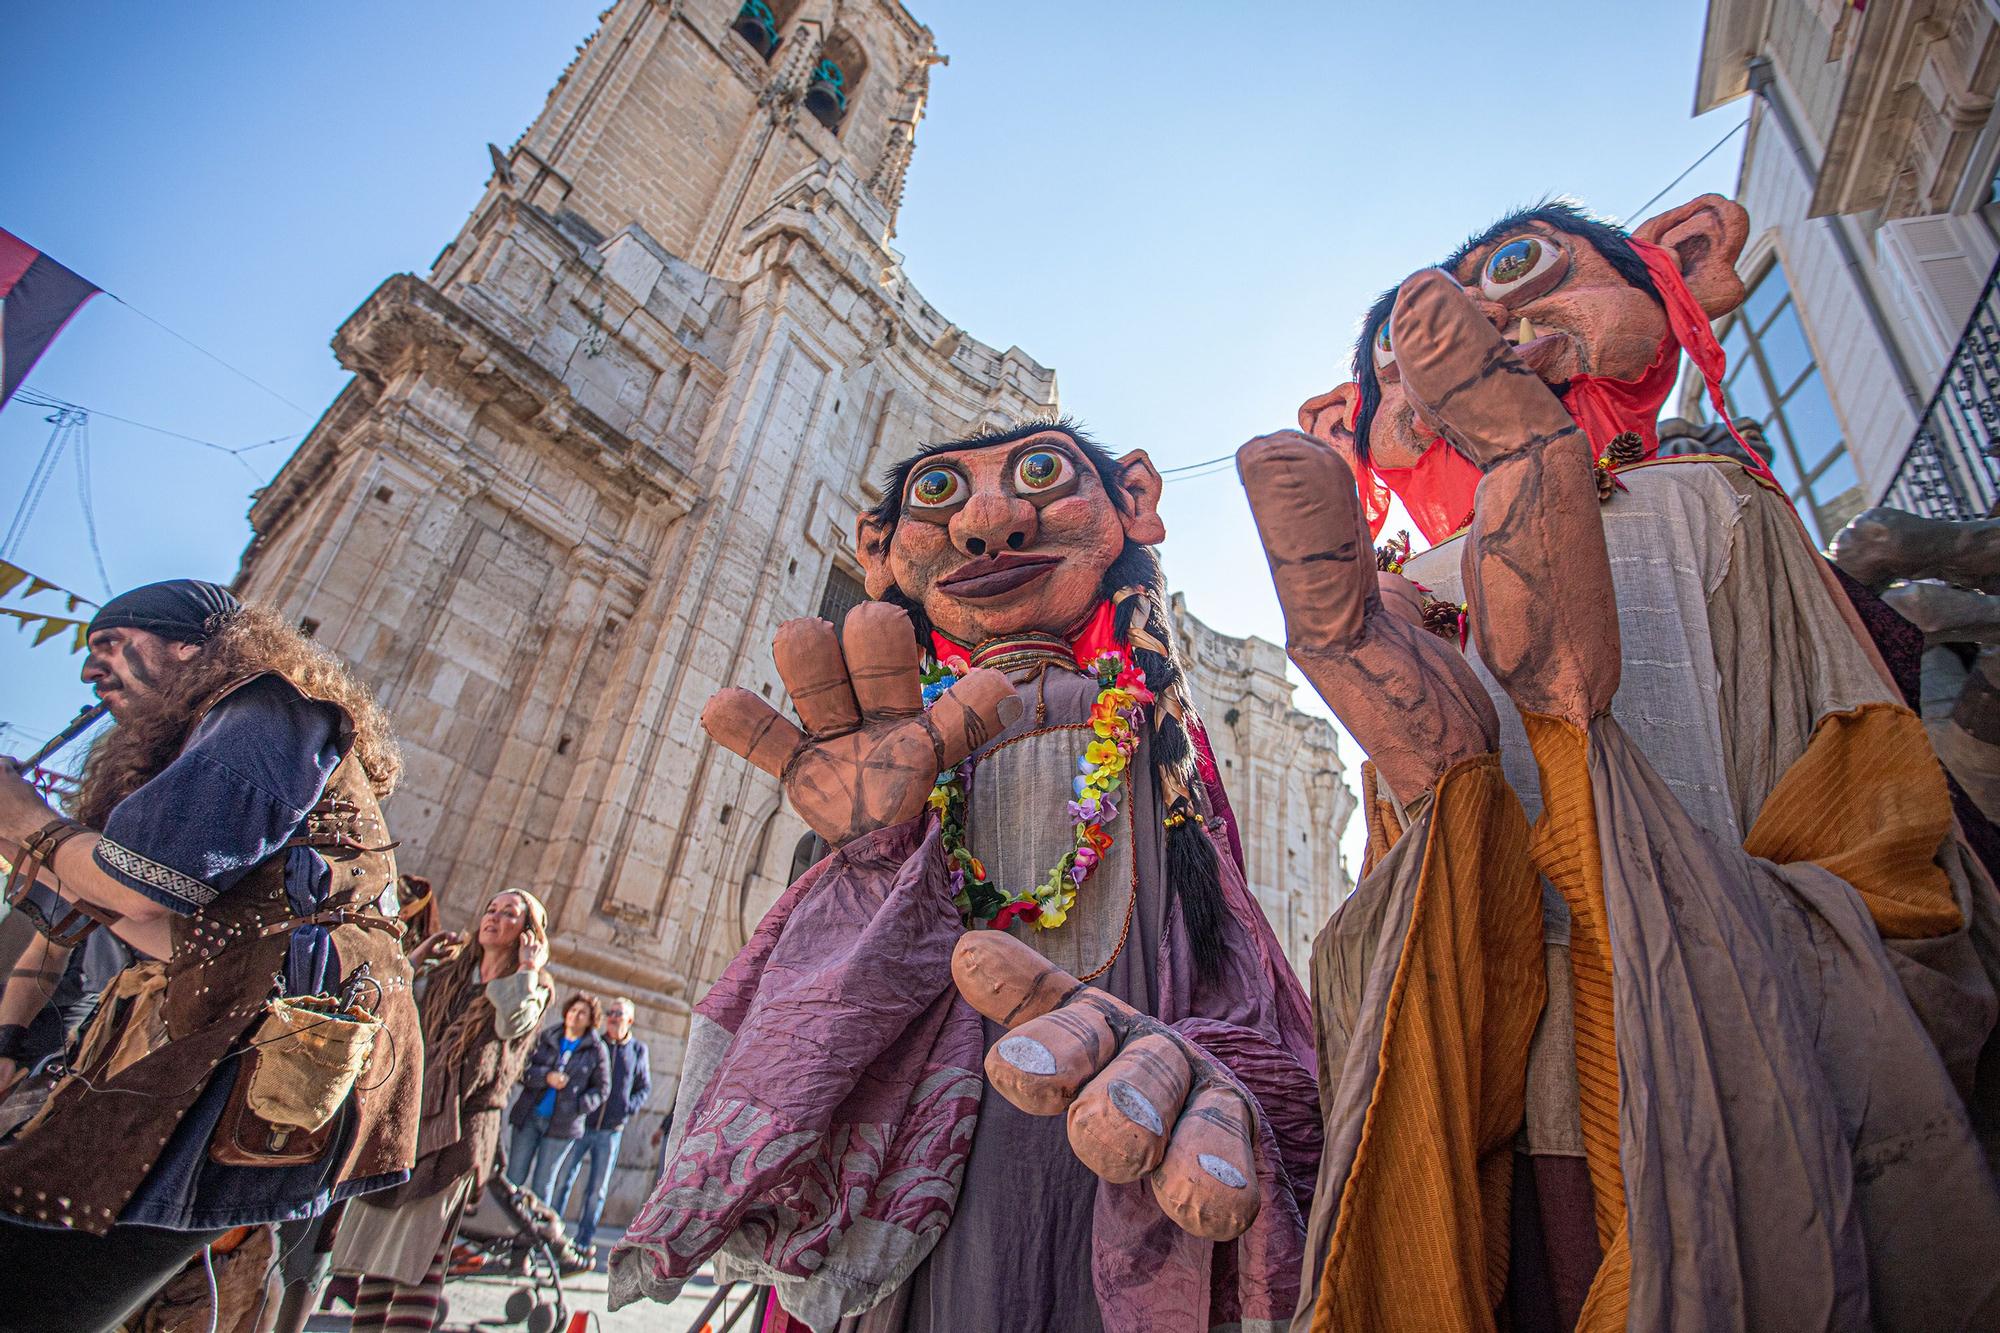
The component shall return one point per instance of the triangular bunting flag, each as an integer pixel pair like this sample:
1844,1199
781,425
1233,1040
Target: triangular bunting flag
36,583
10,576
37,297
48,627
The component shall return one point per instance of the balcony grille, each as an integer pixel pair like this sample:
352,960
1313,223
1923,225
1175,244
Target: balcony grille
1951,469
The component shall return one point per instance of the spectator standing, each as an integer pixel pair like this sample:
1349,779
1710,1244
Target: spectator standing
564,1082
479,1007
630,1082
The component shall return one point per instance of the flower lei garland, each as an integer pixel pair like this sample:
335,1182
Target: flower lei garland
1116,719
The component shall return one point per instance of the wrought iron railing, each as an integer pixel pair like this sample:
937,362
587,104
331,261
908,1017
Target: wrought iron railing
1952,468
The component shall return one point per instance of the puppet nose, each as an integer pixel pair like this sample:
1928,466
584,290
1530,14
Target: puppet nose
990,524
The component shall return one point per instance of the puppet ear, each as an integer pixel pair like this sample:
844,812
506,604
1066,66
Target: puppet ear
1707,234
871,548
1329,418
1141,487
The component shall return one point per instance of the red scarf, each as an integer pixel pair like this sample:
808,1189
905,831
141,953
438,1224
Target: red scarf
1438,489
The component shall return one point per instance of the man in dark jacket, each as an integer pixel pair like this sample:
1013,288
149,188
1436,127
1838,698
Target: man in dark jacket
631,1080
566,1080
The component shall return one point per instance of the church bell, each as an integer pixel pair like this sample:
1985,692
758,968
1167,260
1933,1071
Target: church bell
757,25
825,97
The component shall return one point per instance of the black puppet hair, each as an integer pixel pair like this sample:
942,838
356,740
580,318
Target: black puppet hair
1194,869
1611,241
1194,865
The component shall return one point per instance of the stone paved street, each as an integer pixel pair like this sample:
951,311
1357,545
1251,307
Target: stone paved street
477,1299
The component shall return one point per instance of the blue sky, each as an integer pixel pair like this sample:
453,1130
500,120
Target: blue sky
1183,208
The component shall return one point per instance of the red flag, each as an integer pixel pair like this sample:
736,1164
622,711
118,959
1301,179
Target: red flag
37,297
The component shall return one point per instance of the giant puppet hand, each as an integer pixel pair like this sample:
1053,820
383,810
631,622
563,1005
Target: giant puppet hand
1142,1103
870,753
1405,694
1537,575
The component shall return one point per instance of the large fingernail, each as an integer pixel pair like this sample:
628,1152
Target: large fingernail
1137,1109
1010,710
1223,1171
1025,1053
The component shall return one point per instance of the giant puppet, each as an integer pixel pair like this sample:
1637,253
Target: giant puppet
1026,763
1737,1069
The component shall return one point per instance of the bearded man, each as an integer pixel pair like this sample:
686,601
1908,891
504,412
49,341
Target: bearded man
1028,761
1737,1070
228,830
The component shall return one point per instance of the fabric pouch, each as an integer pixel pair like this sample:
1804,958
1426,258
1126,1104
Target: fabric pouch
300,1069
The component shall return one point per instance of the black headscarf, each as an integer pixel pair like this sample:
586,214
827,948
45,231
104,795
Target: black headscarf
184,610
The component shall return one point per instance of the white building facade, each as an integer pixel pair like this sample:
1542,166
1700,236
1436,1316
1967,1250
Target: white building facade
1869,175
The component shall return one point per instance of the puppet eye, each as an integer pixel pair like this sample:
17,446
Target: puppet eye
1385,355
1040,470
1512,268
935,487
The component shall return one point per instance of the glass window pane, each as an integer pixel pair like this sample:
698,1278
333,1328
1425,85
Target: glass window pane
1810,421
1786,354
1764,297
1746,397
1838,476
1736,347
1784,463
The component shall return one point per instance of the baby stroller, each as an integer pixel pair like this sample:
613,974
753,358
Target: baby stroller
509,1234
513,1232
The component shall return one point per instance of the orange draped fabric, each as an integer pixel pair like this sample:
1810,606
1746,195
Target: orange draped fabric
1422,1236
1868,801
1566,849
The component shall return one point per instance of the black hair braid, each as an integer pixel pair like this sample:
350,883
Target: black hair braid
1194,868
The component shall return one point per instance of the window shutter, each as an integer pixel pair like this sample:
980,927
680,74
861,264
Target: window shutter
1936,267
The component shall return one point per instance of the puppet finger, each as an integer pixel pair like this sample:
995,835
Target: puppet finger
1308,515
1118,1125
741,722
1041,1065
883,664
807,652
975,710
1208,1182
1007,981
1466,378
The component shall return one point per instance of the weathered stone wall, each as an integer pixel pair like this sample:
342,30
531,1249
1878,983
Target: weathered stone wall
1284,776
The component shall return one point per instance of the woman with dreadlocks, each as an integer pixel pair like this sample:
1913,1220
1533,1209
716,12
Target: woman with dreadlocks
1025,773
480,1003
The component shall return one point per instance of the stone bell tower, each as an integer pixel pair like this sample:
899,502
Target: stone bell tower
618,434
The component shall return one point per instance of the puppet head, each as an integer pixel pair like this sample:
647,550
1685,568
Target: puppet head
1010,532
1599,314
1034,531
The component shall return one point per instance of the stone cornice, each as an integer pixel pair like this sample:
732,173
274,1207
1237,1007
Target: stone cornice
406,320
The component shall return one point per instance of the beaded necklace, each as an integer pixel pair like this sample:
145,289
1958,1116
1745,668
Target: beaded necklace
1116,720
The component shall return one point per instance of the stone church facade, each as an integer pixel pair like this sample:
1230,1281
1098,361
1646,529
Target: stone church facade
618,434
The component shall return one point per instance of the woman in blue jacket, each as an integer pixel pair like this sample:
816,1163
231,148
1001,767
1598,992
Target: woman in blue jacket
566,1079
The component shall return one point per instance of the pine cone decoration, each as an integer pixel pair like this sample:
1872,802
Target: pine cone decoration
1445,619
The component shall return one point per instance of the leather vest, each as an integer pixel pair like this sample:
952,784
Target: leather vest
81,1160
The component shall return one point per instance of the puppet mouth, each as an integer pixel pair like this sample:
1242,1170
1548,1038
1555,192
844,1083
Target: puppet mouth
991,576
1536,348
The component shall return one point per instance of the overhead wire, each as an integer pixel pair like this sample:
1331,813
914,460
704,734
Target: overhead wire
38,480
83,497
1734,130
234,370
1210,466
38,398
